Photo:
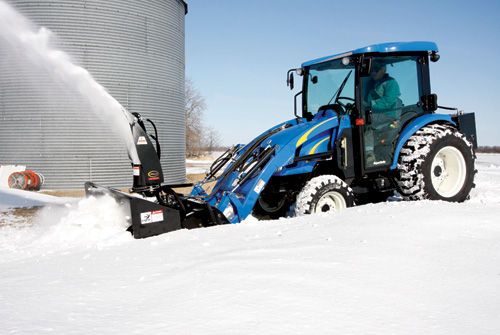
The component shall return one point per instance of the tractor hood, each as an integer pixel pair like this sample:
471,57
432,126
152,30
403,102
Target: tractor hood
306,137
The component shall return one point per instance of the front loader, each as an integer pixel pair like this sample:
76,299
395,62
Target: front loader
365,129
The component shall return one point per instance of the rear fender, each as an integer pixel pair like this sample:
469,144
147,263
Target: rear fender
413,127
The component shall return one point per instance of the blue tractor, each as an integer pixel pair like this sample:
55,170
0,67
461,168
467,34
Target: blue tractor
365,129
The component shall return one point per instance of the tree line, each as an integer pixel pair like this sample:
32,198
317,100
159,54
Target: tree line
489,149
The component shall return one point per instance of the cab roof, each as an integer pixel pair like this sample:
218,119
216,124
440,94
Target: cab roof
415,46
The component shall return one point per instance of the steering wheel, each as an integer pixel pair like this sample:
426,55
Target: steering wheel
343,98
346,106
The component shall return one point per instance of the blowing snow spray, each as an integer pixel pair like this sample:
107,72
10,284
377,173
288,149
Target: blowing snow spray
35,48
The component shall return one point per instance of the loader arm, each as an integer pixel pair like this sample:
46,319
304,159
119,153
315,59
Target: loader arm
239,186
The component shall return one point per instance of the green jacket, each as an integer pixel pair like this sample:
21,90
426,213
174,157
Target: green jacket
384,94
383,98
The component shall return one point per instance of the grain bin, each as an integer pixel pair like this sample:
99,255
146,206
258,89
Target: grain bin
135,49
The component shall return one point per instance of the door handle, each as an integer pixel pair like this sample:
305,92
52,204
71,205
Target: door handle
368,116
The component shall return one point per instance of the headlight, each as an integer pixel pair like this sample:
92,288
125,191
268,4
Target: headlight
229,212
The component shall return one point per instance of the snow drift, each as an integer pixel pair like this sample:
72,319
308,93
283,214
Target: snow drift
398,268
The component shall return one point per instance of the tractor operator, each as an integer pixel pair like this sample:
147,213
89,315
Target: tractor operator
382,99
382,94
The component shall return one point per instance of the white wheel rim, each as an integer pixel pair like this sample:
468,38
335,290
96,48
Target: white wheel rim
330,202
448,172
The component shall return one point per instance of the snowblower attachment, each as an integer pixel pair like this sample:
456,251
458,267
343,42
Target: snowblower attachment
146,218
155,208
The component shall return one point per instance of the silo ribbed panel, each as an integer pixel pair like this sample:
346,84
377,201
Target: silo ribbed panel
135,49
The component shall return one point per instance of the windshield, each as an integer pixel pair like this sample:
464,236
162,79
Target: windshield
325,85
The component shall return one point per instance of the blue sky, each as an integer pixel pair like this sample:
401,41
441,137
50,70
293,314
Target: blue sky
238,52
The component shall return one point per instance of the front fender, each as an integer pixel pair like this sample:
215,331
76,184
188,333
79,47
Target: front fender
413,127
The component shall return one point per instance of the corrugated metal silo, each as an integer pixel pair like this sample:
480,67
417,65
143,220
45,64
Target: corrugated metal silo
135,49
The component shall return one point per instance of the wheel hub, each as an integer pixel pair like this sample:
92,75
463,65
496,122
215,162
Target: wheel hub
438,170
325,208
330,202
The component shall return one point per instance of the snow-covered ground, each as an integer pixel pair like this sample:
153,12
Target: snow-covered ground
391,268
197,166
18,198
201,165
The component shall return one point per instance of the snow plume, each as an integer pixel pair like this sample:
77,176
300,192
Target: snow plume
88,222
34,47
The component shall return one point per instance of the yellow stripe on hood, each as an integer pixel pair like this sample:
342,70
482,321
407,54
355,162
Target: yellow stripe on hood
313,150
303,138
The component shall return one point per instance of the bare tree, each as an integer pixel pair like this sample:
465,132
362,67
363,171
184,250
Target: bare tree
212,139
195,106
199,138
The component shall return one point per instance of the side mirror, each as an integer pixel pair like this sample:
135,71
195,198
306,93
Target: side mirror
365,67
289,76
429,102
289,81
434,56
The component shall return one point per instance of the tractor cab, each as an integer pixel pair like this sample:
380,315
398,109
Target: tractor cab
380,88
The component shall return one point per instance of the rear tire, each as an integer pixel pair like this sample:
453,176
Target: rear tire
436,163
324,194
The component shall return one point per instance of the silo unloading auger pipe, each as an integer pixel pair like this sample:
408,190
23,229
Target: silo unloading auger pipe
169,210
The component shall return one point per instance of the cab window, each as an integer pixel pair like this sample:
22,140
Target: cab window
330,83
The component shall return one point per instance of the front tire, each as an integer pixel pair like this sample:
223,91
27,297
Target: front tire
436,163
324,194
271,207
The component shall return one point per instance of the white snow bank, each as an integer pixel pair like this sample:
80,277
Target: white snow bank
196,170
199,161
398,268
90,222
391,268
13,198
197,166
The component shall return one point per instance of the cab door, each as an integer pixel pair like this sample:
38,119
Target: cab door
389,97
